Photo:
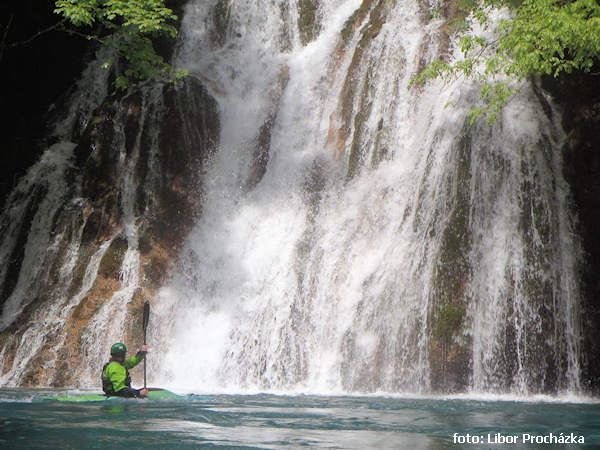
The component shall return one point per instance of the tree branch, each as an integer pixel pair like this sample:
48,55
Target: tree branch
5,34
35,36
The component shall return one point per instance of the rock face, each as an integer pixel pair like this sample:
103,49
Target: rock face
134,192
579,98
164,143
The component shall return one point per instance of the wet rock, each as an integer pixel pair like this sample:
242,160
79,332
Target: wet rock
578,96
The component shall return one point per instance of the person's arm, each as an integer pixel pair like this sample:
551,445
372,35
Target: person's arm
135,360
130,392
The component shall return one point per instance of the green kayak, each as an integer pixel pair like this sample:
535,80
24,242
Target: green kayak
157,394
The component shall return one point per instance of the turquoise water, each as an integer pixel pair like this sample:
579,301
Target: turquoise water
267,421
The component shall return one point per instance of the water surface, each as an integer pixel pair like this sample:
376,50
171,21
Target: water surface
27,420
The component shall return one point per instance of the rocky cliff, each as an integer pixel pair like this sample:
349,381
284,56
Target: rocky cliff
579,98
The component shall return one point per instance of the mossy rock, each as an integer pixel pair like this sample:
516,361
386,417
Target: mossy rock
221,17
309,23
85,309
85,255
110,265
92,226
77,311
135,322
357,17
58,260
145,242
359,85
94,153
155,271
448,322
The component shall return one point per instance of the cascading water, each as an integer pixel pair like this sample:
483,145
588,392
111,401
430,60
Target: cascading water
378,244
78,250
355,236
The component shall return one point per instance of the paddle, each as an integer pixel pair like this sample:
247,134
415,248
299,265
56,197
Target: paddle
146,317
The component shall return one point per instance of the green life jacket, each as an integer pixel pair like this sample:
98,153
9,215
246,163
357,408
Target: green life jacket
107,384
123,383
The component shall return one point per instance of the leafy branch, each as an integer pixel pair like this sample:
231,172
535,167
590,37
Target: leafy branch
541,37
128,26
4,45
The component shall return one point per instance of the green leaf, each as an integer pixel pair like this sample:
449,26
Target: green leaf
543,37
131,24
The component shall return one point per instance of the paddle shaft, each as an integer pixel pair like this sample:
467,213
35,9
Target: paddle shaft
145,326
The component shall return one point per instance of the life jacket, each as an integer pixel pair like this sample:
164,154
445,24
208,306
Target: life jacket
107,385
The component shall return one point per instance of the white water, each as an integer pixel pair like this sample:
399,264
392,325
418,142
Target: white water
59,215
46,180
311,281
325,274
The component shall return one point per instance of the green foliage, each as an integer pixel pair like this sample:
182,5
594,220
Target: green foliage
541,37
128,26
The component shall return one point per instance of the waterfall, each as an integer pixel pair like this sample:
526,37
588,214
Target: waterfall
360,237
351,235
90,227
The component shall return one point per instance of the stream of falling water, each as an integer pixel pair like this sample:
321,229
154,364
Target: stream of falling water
335,269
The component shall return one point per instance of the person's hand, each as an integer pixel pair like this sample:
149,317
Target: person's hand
144,392
144,349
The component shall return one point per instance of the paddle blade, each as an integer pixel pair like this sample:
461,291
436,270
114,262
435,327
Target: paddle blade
146,315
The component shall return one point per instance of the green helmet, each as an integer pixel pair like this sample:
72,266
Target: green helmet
118,348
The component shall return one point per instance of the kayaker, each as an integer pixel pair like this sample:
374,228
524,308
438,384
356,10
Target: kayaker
115,374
